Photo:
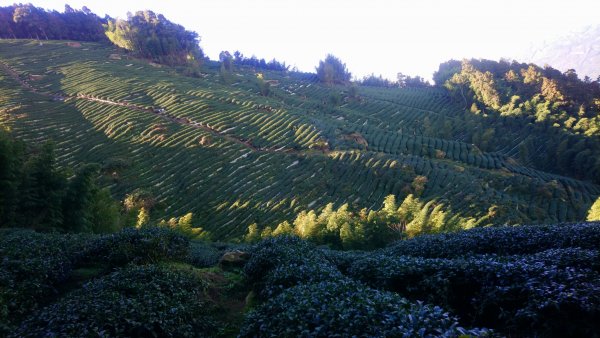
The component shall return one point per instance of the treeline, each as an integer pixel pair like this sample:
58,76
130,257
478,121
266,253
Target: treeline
369,229
402,81
558,111
240,60
30,22
145,33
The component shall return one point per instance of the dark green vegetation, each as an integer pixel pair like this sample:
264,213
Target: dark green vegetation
518,281
25,21
132,283
145,34
154,37
234,154
36,193
555,116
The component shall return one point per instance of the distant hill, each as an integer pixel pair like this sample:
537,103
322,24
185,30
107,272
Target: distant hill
579,51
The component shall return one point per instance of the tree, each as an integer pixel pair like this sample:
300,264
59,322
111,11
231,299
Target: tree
284,228
41,190
594,213
252,235
77,204
332,71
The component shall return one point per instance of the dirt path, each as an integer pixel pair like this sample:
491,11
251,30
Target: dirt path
159,112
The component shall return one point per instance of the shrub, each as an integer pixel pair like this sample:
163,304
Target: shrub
147,245
203,255
136,301
275,251
505,240
31,268
346,308
284,261
521,293
285,276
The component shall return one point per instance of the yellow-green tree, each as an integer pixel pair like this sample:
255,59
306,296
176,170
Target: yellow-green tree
594,213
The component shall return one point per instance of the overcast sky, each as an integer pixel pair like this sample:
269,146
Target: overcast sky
370,36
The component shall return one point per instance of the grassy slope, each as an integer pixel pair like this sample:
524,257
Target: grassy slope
233,157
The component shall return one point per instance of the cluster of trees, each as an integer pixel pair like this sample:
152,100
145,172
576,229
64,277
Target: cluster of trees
402,81
254,62
35,193
26,21
333,71
561,109
154,37
145,33
368,229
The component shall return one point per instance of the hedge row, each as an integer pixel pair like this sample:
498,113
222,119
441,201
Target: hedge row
504,240
304,294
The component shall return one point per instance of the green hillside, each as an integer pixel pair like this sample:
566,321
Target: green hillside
216,146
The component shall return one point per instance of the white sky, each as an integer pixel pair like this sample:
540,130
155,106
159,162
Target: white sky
370,36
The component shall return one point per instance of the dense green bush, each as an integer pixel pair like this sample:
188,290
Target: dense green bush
343,260
285,276
345,309
282,262
522,293
203,255
505,240
273,252
32,266
142,301
146,245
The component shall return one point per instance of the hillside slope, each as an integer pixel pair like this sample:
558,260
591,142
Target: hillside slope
217,147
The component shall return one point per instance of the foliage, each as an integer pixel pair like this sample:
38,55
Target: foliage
517,293
305,294
345,308
184,226
143,246
154,37
255,63
136,301
25,21
32,267
594,213
376,81
345,229
332,71
555,103
503,240
37,194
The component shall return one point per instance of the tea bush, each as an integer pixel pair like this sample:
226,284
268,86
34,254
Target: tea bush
135,301
345,309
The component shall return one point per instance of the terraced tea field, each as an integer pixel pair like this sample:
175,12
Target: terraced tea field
215,147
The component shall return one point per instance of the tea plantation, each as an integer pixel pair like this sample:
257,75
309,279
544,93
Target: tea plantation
526,281
216,146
